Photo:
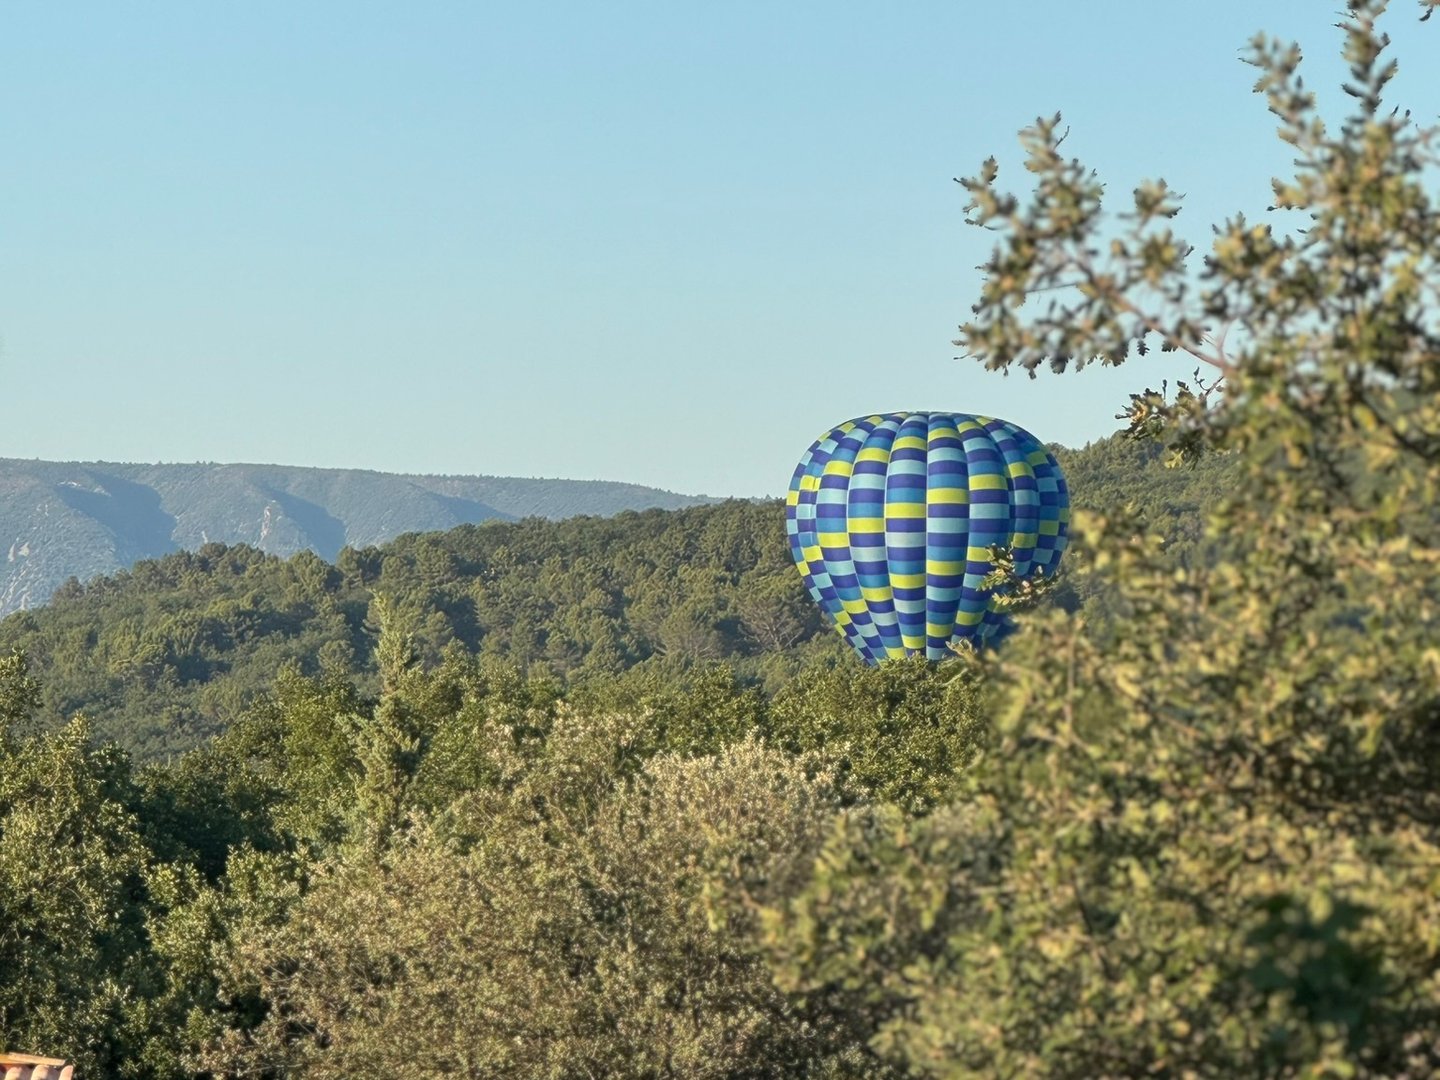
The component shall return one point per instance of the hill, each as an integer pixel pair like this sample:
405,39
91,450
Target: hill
60,520
164,655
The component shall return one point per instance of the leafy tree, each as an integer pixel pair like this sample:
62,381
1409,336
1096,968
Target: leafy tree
19,697
1205,841
902,732
572,925
71,861
772,612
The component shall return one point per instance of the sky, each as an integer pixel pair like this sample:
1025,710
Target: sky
661,243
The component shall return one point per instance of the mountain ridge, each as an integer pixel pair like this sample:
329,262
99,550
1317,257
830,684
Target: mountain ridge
83,519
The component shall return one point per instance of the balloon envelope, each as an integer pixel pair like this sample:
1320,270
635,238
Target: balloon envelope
891,519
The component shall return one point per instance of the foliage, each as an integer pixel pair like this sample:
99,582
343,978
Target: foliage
538,801
538,933
71,860
170,653
902,732
1205,840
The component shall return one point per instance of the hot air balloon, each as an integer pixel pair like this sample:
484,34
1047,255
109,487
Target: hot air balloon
891,519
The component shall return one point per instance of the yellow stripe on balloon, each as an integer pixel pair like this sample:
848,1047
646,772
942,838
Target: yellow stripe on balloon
947,496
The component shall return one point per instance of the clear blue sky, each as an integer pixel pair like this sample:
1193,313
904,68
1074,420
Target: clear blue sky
656,242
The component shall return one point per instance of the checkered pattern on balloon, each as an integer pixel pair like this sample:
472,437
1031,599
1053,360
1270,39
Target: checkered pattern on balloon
892,517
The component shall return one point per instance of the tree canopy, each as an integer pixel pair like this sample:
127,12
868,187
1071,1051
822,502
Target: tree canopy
170,653
1186,823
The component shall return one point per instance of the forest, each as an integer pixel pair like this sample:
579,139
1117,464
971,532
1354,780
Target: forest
603,798
165,656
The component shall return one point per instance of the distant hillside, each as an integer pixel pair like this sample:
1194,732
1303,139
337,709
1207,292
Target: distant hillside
164,655
171,651
82,519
